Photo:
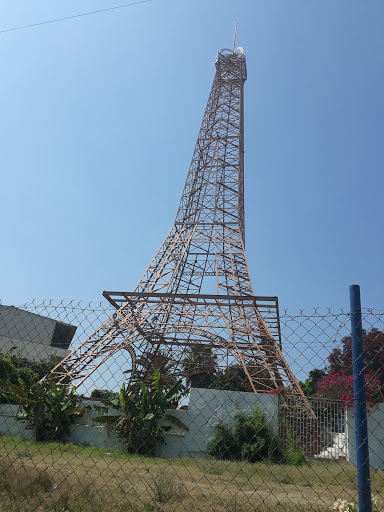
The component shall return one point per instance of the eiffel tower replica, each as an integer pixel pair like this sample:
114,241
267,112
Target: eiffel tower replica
196,294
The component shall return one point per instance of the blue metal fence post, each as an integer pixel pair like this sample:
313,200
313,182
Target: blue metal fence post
363,476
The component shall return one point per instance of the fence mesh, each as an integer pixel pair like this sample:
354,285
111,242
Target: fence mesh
191,439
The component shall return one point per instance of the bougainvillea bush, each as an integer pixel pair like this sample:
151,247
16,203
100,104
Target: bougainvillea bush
339,386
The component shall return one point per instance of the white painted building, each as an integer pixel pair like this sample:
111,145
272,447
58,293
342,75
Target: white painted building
33,336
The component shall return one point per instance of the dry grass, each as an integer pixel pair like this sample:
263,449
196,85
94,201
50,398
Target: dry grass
68,478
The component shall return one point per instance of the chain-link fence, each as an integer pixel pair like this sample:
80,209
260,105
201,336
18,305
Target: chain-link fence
191,436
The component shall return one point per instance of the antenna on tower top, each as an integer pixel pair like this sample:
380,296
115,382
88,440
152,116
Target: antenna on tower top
234,39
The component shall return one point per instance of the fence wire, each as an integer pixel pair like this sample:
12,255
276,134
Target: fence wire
187,438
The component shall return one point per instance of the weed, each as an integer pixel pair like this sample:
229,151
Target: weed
217,468
294,451
233,505
287,480
23,479
166,487
24,453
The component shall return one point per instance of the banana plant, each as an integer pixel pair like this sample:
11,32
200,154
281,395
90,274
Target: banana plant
48,410
140,416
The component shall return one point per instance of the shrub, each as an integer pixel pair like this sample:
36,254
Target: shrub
15,368
250,439
339,386
223,445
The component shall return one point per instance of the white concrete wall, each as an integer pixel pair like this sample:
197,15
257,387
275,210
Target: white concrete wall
87,432
9,425
206,408
375,436
84,432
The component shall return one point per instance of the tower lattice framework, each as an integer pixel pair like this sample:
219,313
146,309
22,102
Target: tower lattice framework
197,290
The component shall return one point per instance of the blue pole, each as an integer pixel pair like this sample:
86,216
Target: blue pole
363,476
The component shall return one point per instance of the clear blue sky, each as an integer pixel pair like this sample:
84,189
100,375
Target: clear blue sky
99,117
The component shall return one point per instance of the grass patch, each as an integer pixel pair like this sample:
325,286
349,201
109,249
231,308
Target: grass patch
54,477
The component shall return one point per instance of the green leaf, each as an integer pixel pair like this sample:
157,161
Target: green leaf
176,388
101,408
76,410
176,422
106,419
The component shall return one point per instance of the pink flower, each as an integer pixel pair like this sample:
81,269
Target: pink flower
339,386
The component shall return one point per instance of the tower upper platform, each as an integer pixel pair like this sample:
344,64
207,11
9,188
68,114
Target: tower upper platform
228,61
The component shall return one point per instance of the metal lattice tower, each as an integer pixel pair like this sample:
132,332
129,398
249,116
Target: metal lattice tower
197,290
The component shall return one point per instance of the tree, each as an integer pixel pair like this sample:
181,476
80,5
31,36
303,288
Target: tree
309,387
149,362
339,386
234,378
340,359
199,366
201,371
